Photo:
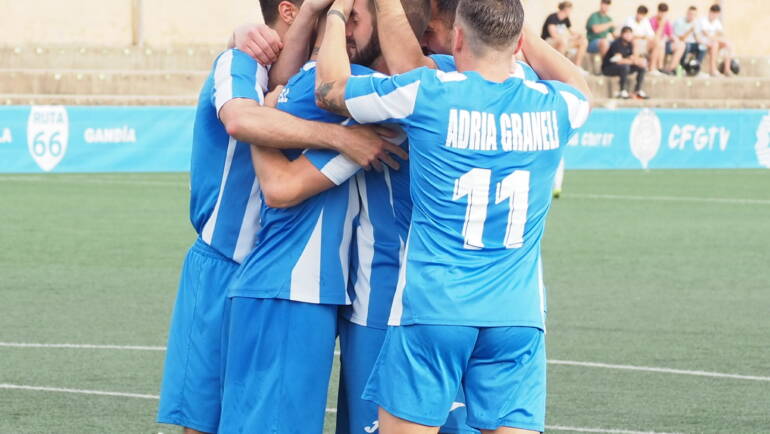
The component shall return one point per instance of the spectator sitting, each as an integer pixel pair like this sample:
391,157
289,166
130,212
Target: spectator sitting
621,61
644,36
688,31
600,29
714,39
557,31
667,43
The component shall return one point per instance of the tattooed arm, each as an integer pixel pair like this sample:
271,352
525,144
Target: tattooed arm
333,62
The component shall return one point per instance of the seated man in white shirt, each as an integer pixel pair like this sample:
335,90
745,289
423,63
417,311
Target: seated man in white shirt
687,29
644,35
714,39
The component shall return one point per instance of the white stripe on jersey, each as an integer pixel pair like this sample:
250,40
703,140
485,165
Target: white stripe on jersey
365,244
373,108
339,169
208,229
250,225
578,109
223,81
347,234
306,274
397,308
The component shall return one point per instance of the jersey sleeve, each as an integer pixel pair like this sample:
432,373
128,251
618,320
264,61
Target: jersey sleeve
379,98
236,75
573,107
333,165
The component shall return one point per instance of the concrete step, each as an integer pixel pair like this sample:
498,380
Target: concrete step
127,58
685,88
106,82
98,100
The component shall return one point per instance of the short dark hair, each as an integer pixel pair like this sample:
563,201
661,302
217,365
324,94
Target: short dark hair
662,7
642,10
564,5
715,8
692,8
496,23
418,13
447,10
626,29
607,2
270,9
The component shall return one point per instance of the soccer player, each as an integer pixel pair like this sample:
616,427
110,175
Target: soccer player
469,305
285,297
224,208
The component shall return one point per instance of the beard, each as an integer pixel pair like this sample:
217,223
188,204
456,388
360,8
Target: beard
367,55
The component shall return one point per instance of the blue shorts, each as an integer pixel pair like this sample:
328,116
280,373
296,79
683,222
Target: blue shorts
191,391
593,46
279,360
502,369
360,346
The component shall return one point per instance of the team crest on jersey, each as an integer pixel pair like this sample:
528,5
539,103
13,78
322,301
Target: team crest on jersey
763,142
645,136
47,135
371,429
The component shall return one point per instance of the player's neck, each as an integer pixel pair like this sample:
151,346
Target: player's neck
380,65
495,67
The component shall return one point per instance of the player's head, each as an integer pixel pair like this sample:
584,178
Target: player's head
437,38
692,14
363,42
604,6
662,10
488,27
280,14
714,12
565,8
627,34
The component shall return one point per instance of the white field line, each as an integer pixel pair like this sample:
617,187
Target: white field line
659,370
328,410
96,180
82,346
671,199
337,353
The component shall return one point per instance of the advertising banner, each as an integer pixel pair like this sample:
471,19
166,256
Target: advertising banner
158,139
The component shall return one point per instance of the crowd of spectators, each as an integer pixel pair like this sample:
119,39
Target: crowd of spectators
644,45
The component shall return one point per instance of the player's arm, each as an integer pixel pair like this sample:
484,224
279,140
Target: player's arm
400,47
248,121
549,64
333,68
286,183
297,42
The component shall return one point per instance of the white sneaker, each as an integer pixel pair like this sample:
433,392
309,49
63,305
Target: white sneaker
624,94
702,75
655,73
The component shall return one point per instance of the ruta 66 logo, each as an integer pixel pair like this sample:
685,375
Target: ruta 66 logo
47,135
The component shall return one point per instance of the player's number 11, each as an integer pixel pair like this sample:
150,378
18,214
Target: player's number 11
514,188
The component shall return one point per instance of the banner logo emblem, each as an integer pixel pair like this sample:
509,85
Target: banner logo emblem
47,135
645,136
763,142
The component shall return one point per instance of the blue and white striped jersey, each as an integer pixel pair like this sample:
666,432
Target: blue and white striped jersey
303,252
483,156
225,197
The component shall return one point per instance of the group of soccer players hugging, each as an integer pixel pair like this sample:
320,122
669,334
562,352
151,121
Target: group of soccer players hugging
415,240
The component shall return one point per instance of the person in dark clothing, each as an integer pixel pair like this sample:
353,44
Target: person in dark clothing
620,61
557,31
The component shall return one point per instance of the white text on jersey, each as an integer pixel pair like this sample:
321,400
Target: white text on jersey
519,132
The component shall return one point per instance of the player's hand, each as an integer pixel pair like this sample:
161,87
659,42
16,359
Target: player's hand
369,147
258,41
271,99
